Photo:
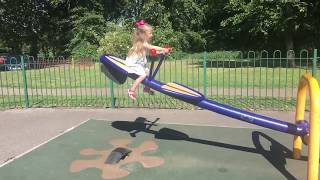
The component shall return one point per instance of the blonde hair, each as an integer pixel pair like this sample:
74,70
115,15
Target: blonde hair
139,38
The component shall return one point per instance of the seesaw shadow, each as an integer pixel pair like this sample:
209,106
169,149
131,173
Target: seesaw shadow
276,155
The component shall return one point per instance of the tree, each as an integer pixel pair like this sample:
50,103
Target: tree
88,29
179,21
267,18
215,36
86,25
21,23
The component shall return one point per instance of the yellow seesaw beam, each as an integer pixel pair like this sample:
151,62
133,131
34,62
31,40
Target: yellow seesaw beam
307,82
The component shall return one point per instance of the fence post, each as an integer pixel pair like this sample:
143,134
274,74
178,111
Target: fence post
205,59
314,63
25,84
113,101
72,62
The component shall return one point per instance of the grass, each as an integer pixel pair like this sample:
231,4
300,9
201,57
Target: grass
185,72
145,101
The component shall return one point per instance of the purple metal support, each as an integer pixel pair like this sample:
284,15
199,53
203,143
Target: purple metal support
267,122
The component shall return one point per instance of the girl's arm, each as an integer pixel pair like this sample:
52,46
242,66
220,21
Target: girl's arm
157,48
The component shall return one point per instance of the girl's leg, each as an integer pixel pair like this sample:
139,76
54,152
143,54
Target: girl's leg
137,82
131,91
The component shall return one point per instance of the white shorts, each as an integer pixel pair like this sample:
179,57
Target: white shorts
138,69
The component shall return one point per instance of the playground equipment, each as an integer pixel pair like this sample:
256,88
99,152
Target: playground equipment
303,131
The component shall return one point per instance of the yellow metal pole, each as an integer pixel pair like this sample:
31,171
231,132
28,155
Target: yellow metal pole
314,125
313,151
300,108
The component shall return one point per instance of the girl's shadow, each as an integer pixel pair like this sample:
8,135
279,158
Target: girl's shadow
276,155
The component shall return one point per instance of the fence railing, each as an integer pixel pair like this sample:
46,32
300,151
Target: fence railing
250,80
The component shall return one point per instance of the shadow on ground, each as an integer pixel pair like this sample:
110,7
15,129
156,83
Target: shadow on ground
276,155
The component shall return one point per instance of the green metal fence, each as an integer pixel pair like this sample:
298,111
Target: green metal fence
250,80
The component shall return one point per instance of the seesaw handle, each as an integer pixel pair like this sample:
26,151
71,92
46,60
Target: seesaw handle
158,67
154,52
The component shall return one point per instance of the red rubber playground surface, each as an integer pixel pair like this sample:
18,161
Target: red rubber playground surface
164,144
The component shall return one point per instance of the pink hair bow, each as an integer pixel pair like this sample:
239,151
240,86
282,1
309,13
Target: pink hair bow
139,23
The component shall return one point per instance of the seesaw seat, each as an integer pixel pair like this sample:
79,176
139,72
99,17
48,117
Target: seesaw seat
178,88
119,68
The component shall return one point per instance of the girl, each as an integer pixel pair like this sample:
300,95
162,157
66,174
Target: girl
136,58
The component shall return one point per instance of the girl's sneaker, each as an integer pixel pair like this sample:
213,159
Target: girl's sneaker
132,94
148,90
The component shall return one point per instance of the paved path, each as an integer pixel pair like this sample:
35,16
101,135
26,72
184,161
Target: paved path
22,130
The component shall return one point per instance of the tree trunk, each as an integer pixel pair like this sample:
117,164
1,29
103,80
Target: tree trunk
290,48
34,49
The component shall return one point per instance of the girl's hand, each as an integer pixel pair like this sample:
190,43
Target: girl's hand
153,52
167,49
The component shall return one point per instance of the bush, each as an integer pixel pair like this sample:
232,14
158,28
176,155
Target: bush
189,41
162,37
196,43
116,42
84,49
119,41
212,56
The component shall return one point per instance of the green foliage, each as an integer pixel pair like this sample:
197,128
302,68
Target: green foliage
88,30
166,36
115,42
88,26
214,55
71,4
157,14
22,23
3,48
280,19
63,27
189,41
84,49
264,16
118,41
186,15
225,55
196,43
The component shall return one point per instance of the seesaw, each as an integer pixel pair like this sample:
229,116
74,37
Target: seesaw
303,131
